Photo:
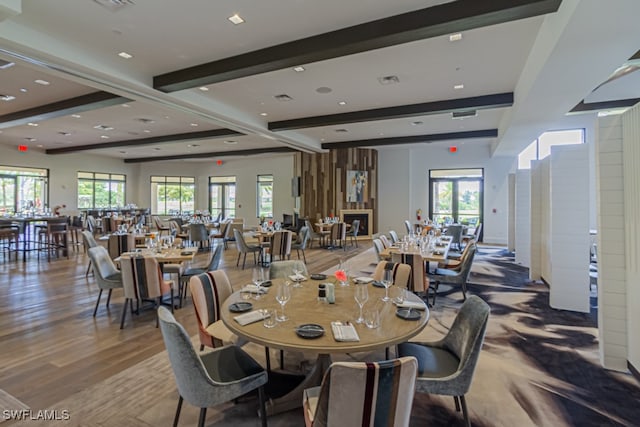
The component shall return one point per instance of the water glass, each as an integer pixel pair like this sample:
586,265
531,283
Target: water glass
361,296
283,295
387,281
398,294
257,279
372,318
270,318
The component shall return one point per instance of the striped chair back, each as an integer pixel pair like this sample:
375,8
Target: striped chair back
418,282
401,273
209,290
385,241
142,277
120,243
379,394
281,244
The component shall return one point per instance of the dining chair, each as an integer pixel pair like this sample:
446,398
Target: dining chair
304,236
280,245
454,261
121,243
89,242
452,277
107,276
418,281
284,269
212,264
54,237
313,235
394,237
244,248
352,233
338,235
142,281
455,231
377,244
401,273
385,242
161,226
363,394
222,232
198,234
10,237
209,379
446,367
407,225
208,291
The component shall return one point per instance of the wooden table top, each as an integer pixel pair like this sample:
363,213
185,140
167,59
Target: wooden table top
439,255
303,307
169,256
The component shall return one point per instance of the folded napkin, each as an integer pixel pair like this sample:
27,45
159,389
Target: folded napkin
412,304
297,277
363,280
251,317
344,332
254,289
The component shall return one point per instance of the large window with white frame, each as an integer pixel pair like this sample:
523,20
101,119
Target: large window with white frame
23,189
265,196
222,196
98,190
172,195
541,147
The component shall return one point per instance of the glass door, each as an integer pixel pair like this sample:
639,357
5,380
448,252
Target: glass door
456,196
222,196
7,194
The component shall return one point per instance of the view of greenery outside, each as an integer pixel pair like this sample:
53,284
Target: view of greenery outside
23,188
456,195
468,202
265,196
222,196
172,195
101,190
442,201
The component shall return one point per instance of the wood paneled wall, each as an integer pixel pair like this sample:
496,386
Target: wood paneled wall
324,181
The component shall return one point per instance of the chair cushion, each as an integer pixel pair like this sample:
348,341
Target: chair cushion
433,362
173,268
115,276
220,331
230,364
445,272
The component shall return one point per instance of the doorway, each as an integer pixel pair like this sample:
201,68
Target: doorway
456,196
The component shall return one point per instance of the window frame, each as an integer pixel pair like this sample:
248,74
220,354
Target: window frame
223,182
260,184
167,180
96,177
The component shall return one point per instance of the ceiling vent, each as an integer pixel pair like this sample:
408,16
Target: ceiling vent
283,97
463,114
342,130
388,80
103,127
114,5
146,121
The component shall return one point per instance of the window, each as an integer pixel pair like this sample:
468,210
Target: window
265,196
23,189
456,196
541,147
172,195
101,190
222,196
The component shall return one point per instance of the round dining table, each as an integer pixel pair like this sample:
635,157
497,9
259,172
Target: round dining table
305,308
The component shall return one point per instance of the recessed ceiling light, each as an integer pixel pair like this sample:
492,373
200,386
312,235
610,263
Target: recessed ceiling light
7,97
30,139
455,37
381,134
457,87
194,124
236,19
298,69
324,90
39,145
203,88
103,127
264,114
42,82
104,137
5,64
76,116
125,55
342,103
146,131
463,114
146,121
63,133
193,145
23,90
32,124
322,139
229,142
126,105
388,80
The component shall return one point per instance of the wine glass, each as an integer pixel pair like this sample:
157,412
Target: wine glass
298,269
361,296
257,279
387,280
283,295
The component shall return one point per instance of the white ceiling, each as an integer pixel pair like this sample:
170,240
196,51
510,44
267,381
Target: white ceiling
550,62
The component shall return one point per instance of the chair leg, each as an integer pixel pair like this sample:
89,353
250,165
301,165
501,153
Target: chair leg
109,297
464,291
201,347
386,353
124,311
238,260
88,269
203,415
95,310
267,358
465,413
282,359
244,260
177,417
457,402
263,407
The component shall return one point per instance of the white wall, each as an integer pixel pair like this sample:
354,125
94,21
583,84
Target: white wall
245,170
405,189
523,217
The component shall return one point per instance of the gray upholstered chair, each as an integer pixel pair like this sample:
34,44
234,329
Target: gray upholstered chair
394,237
377,244
452,277
189,272
363,393
108,277
352,233
407,225
304,235
199,233
89,242
454,261
385,242
455,231
213,378
244,248
446,366
313,234
284,269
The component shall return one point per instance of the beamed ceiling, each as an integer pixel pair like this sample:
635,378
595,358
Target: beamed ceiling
304,75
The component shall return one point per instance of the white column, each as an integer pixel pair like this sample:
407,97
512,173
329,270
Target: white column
523,217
